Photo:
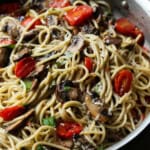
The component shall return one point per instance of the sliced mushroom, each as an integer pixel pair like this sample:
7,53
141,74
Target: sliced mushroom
66,91
24,52
12,28
89,28
77,44
30,34
96,110
113,40
52,20
4,56
57,34
37,72
19,122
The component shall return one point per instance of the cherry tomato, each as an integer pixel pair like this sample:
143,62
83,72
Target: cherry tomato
9,7
125,27
28,20
122,82
59,3
79,15
24,67
88,63
66,130
11,112
5,42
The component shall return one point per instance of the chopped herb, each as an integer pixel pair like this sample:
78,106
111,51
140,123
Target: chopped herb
67,88
97,88
59,64
11,46
50,121
28,84
40,147
100,147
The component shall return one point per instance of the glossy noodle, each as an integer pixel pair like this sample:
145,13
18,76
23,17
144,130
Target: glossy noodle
66,89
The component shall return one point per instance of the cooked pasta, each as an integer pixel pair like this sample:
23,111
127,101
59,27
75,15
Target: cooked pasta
75,80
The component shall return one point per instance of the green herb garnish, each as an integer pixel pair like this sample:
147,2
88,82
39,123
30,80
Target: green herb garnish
67,88
50,121
28,84
100,147
40,147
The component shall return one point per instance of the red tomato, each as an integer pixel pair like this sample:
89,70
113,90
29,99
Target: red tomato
122,82
9,7
88,63
28,20
66,130
78,15
24,67
125,27
6,42
59,3
11,112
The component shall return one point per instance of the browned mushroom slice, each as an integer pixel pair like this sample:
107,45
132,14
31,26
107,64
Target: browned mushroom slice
113,40
30,34
39,70
89,28
4,56
97,110
12,28
24,52
19,122
66,91
77,44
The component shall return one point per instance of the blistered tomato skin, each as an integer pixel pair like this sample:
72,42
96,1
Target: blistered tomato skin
66,130
28,20
24,67
122,82
79,15
125,27
11,112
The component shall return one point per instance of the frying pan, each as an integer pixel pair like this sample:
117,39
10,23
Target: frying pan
138,11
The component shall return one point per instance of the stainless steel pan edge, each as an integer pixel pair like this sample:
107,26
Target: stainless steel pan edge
139,13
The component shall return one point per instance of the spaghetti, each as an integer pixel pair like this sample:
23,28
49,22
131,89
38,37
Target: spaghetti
85,78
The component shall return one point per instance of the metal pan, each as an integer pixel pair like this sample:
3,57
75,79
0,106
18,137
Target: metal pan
138,11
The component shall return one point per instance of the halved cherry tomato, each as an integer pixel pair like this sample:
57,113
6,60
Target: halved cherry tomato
9,7
5,42
122,82
125,27
11,112
59,3
66,130
79,15
88,63
28,20
24,67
